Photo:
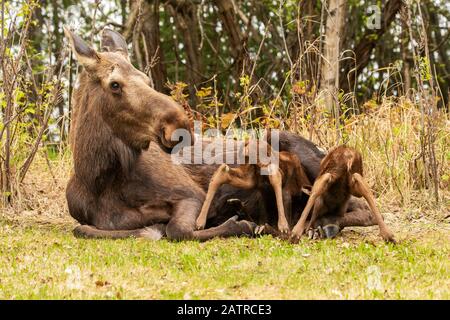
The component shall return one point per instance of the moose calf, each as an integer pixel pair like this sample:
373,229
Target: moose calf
287,179
340,177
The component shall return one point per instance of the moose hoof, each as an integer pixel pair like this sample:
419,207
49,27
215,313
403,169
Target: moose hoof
331,231
259,230
314,234
248,227
242,227
200,224
294,239
235,203
82,231
265,229
283,228
388,237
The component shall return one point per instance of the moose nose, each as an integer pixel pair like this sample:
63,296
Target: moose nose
176,129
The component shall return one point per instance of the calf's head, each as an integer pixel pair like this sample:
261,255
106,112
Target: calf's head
136,113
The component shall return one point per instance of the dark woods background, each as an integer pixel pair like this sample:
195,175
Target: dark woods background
197,41
230,63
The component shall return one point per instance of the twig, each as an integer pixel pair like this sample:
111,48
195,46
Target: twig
97,4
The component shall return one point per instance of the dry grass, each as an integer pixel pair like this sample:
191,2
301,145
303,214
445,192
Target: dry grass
388,136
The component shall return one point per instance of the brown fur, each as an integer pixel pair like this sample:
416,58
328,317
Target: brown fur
287,180
122,179
340,177
125,184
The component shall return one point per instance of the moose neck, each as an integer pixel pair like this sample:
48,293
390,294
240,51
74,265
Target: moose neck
100,158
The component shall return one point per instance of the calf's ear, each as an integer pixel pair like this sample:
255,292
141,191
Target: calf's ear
84,54
112,41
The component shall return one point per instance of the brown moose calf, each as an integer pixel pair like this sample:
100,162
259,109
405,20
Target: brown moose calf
340,177
287,180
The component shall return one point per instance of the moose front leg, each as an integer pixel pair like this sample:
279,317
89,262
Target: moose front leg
318,210
182,223
276,182
230,228
224,175
217,180
318,189
287,204
358,188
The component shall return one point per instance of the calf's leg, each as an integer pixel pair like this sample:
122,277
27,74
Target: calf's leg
359,187
276,182
319,187
224,174
357,214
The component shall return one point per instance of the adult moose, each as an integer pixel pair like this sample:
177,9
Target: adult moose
124,182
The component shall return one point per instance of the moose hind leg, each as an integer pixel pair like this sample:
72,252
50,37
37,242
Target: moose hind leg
126,223
153,232
230,228
182,225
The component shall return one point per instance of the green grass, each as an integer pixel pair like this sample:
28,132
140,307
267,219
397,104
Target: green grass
46,262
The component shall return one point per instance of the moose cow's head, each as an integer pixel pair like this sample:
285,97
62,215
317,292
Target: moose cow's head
135,112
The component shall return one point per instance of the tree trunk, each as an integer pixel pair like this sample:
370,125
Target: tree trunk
185,15
406,68
330,63
443,68
237,40
143,28
152,37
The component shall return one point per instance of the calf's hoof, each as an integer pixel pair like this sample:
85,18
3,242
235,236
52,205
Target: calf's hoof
388,236
283,227
267,229
317,233
295,237
200,224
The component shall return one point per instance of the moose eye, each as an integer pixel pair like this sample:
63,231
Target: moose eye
115,86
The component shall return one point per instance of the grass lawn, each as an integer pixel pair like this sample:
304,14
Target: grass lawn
44,261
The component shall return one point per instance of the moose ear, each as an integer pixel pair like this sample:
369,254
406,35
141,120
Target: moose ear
87,56
112,41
